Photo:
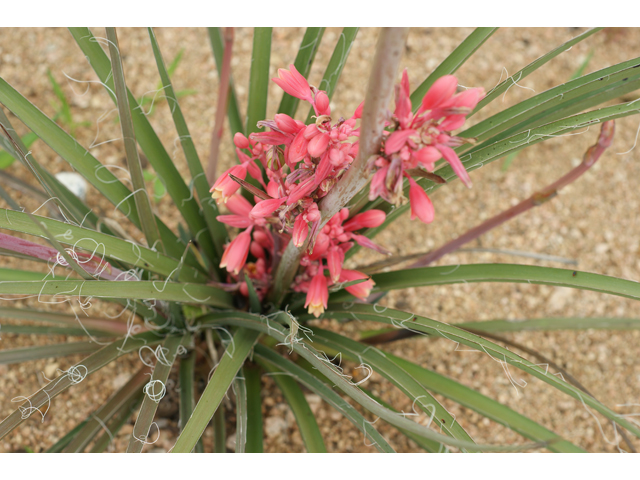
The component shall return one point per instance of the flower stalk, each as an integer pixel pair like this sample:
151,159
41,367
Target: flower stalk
538,198
223,96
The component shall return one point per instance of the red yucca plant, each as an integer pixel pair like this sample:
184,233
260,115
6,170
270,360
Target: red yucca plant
266,247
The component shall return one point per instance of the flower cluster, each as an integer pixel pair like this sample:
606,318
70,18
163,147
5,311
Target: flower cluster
419,140
333,241
301,163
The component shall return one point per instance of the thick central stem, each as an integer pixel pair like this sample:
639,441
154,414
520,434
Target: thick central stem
379,91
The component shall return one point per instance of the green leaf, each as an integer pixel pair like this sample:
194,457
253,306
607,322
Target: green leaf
98,326
140,194
242,418
187,388
274,363
485,406
148,141
428,445
70,205
253,382
259,78
508,160
336,63
233,112
532,67
378,361
453,62
305,419
326,368
124,398
42,330
80,158
154,391
232,360
158,290
75,375
72,263
583,66
219,431
209,207
546,324
101,245
502,355
64,441
18,355
115,425
304,60
7,158
64,110
501,272
557,102
7,198
12,274
254,301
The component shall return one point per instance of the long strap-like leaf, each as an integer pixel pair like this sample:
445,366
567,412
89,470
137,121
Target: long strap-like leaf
485,406
500,354
225,372
259,78
140,194
159,290
85,163
73,376
326,368
502,272
148,140
378,361
336,64
209,207
279,365
155,389
124,397
546,324
102,245
454,61
532,67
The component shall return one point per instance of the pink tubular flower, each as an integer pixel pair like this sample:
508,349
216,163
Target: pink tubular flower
266,207
360,290
294,83
335,259
318,294
420,139
441,91
239,205
300,231
225,187
368,219
236,253
421,205
240,140
450,156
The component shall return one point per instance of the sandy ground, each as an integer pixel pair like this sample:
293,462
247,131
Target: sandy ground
593,222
